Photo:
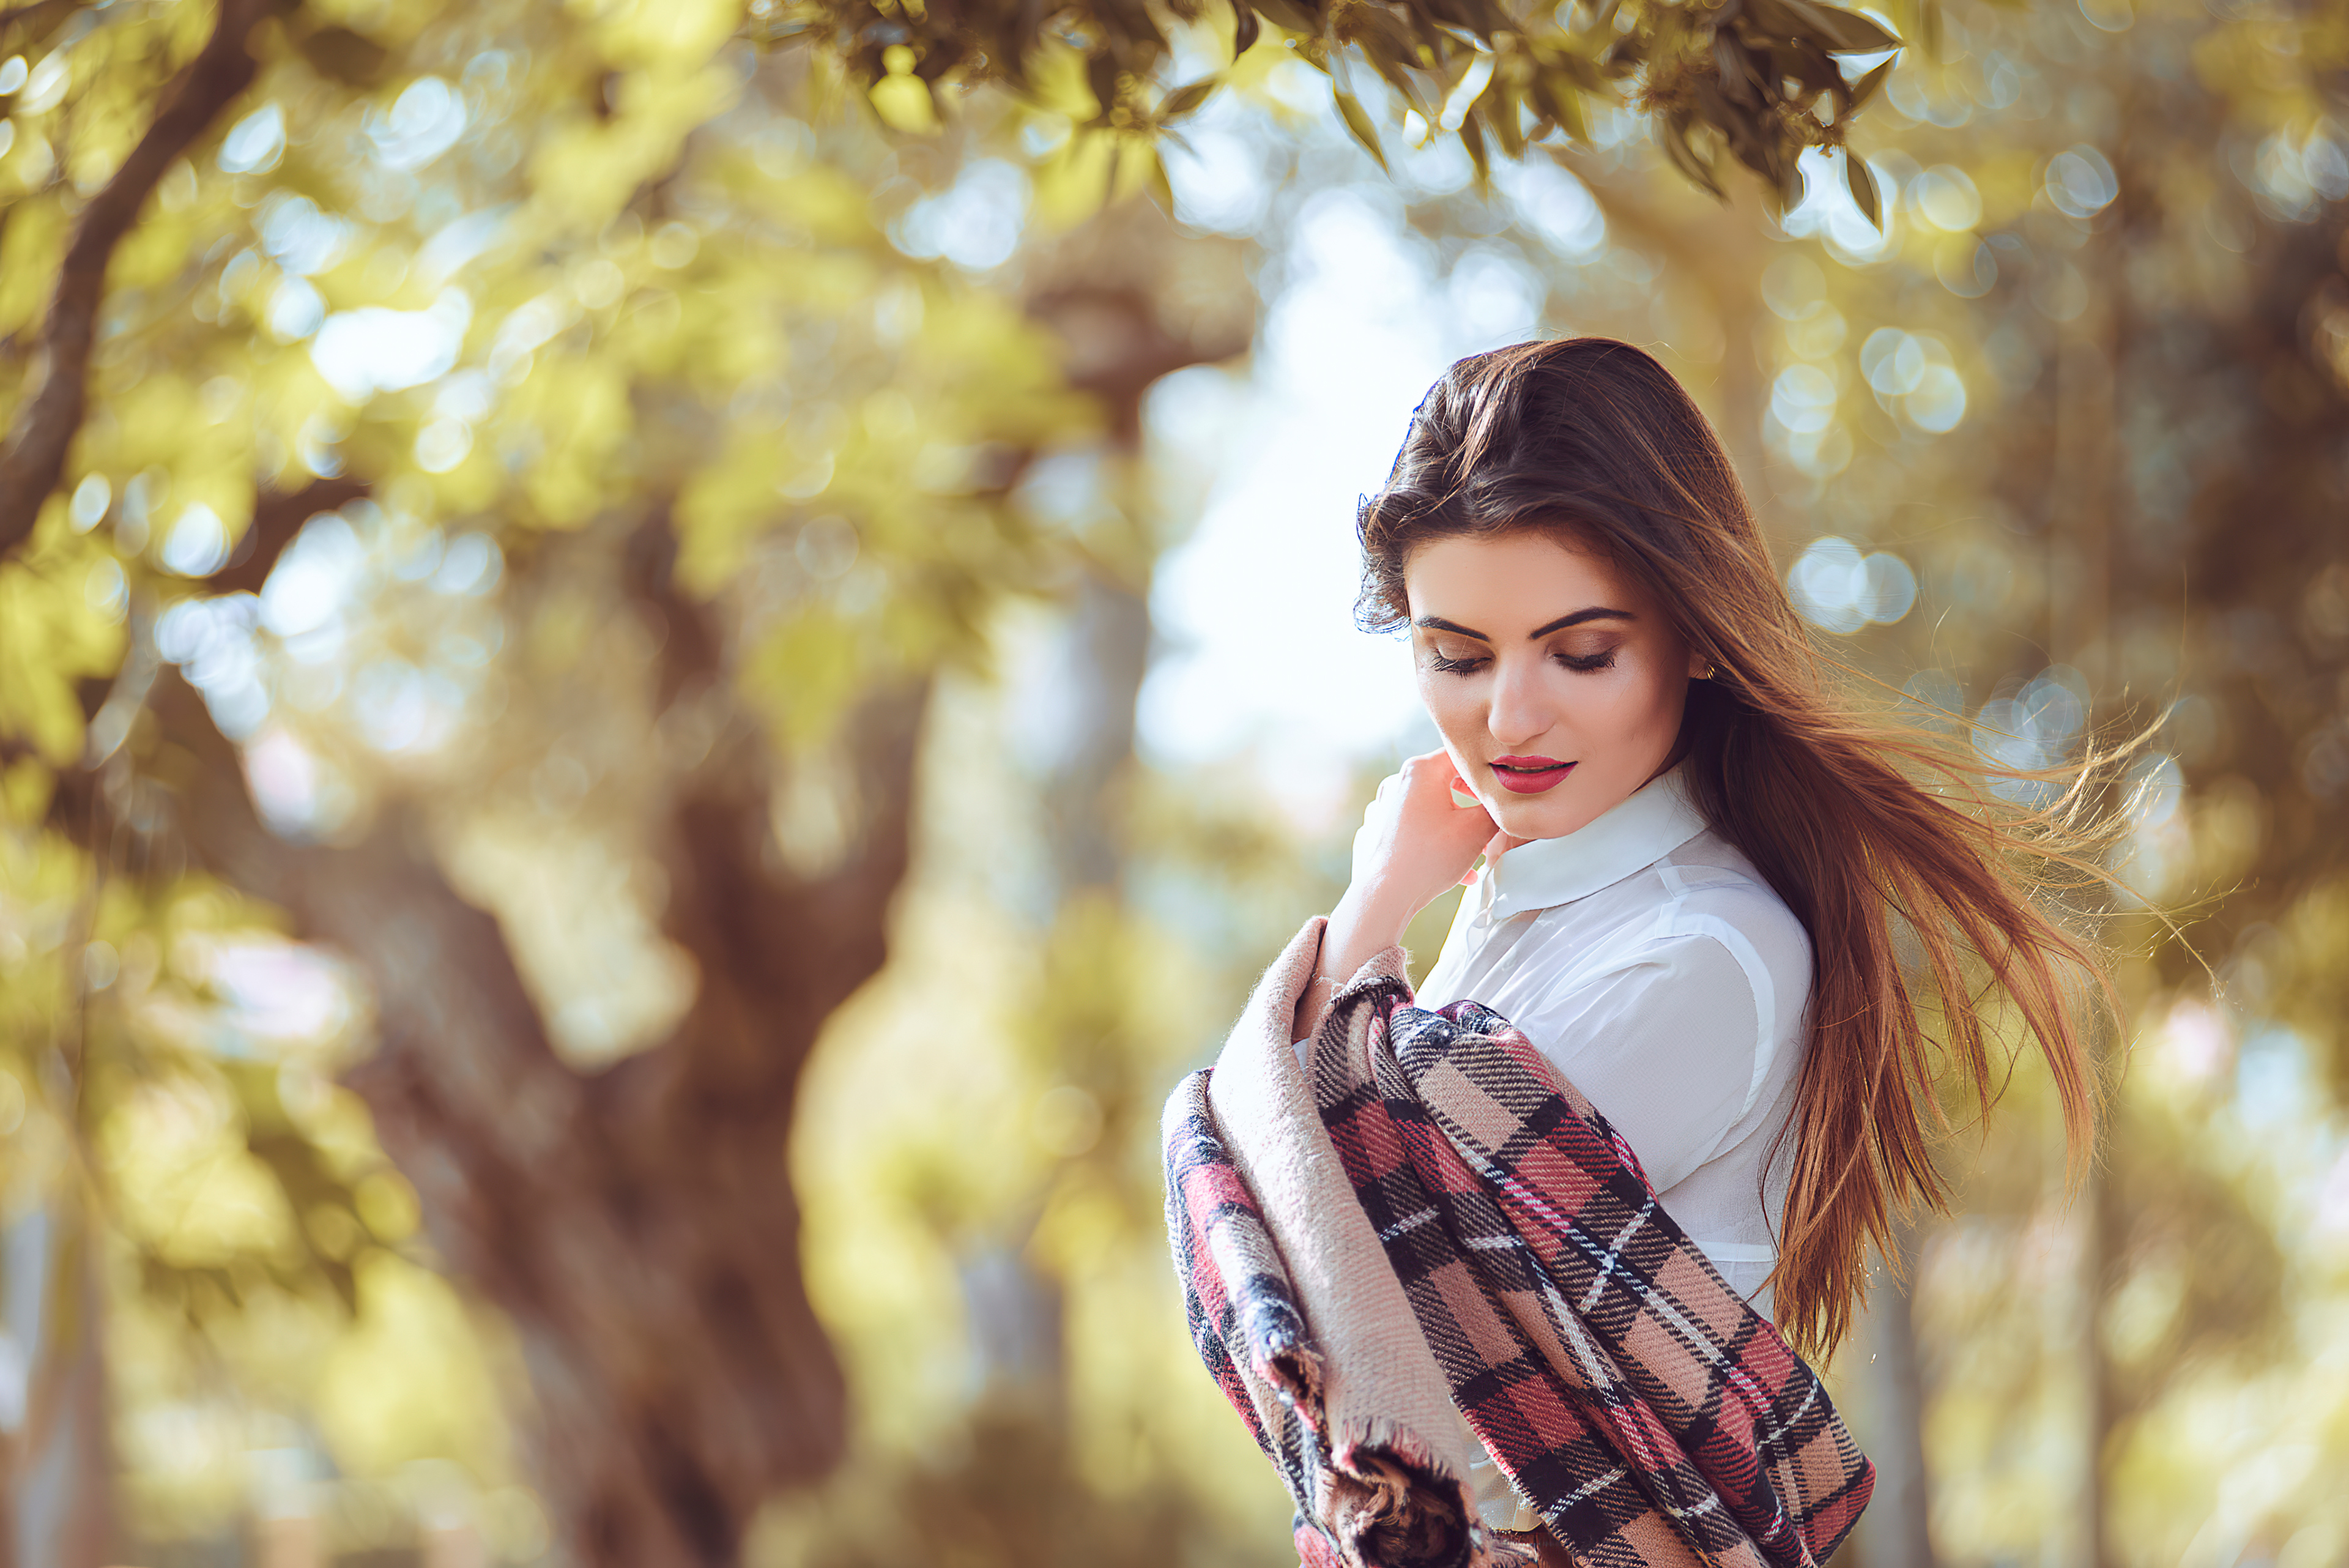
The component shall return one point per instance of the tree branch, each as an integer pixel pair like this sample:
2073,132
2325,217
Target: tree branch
33,459
776,952
278,516
646,1251
9,18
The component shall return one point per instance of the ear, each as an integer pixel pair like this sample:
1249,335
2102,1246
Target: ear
1699,667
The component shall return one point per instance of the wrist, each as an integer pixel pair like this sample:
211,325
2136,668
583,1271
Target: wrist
1372,918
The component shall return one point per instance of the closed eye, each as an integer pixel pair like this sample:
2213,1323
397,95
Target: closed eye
1581,664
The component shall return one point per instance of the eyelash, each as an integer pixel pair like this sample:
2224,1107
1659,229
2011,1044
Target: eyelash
1590,666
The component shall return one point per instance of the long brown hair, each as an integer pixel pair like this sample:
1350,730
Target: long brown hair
1594,439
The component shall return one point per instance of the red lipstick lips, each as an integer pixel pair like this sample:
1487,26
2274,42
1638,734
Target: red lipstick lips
1529,775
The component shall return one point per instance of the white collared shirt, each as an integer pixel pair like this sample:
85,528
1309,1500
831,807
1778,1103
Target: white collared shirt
1648,960
1651,963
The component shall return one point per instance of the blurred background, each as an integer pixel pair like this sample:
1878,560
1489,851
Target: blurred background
662,663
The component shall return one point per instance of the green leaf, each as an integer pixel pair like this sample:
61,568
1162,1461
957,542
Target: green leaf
1788,188
1405,78
1684,156
1736,73
1866,87
1506,112
1862,181
1288,14
1811,67
1109,179
1188,97
1565,107
1841,32
1358,121
1384,40
343,55
1472,137
1162,190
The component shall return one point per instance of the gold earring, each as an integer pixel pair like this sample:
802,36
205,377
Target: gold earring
1708,671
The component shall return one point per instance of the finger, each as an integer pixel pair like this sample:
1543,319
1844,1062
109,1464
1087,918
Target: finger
1419,768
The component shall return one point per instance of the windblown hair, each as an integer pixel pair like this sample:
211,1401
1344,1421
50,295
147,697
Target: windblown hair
1909,875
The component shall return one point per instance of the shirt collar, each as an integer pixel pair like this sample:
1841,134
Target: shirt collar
1659,817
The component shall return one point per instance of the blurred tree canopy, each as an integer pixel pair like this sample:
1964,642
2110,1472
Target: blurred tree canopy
1747,77
585,300
298,412
495,493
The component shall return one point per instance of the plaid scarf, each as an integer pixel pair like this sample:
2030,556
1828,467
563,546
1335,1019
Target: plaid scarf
1250,1331
1647,1413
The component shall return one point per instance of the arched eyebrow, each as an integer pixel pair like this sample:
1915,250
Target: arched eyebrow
1437,623
1596,612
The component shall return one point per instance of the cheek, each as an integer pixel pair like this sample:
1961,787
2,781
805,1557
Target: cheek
1439,694
1644,701
1448,700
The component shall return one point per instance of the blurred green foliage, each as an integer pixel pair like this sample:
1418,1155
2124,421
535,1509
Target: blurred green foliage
420,355
1747,78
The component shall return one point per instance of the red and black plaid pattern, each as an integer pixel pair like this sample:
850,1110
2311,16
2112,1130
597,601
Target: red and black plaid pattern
1646,1410
1237,1295
1378,1508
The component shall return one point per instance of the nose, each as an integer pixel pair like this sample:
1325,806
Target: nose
1521,708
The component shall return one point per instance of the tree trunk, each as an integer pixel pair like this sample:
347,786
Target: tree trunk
1107,647
1117,349
638,1228
2085,496
60,1511
1896,1531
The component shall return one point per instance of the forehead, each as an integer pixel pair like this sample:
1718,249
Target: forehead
1513,582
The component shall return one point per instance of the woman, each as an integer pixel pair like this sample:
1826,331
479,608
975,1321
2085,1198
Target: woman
1712,895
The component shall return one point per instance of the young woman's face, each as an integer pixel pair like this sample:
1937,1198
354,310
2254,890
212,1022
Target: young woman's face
1557,681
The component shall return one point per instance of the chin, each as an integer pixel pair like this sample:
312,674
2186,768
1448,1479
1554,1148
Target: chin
1541,819
1555,815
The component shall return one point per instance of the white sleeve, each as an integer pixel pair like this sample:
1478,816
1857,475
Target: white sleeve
1669,1045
